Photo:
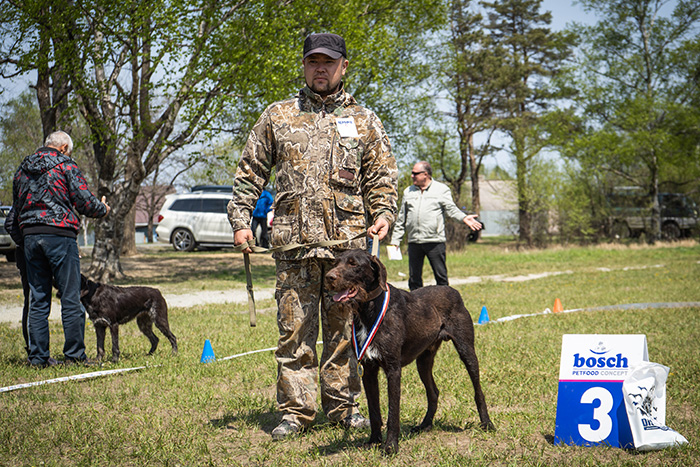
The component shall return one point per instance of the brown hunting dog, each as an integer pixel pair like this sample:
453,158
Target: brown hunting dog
109,306
412,328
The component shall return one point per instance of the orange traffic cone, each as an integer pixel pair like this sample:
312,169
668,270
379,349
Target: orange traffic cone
557,306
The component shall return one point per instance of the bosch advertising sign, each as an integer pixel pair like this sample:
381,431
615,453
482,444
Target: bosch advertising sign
590,404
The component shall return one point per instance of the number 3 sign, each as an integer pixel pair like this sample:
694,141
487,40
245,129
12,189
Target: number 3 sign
590,404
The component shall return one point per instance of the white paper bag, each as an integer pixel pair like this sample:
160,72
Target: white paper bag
644,391
393,252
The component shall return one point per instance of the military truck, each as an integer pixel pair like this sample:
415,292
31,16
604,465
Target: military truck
630,214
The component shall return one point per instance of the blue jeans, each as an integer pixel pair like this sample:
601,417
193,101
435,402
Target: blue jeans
52,258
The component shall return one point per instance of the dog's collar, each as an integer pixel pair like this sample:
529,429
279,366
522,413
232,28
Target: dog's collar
360,352
375,293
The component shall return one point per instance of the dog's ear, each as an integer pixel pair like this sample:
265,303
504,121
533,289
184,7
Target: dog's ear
87,287
380,272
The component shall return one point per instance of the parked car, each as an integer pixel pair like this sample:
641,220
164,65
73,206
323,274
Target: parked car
212,188
7,245
631,214
195,219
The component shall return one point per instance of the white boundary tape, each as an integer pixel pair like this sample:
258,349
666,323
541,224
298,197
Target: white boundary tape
96,374
244,354
628,306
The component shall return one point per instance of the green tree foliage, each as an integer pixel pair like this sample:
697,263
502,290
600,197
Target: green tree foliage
20,135
153,77
638,77
472,74
532,56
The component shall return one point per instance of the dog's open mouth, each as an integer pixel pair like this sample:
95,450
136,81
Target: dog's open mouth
345,295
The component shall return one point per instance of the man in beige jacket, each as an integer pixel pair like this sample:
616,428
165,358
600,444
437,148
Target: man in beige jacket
424,206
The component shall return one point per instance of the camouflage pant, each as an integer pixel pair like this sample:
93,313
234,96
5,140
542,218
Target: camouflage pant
300,288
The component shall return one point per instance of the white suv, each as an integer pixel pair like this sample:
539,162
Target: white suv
195,219
7,245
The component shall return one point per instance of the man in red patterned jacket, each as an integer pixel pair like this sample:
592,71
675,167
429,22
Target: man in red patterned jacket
48,189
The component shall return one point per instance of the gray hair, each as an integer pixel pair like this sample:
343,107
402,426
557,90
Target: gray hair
58,139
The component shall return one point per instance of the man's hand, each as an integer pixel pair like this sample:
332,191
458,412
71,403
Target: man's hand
242,236
380,228
104,201
472,223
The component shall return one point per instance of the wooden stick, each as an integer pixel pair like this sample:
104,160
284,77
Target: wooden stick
249,287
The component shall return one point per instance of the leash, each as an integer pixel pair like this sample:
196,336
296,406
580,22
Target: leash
291,246
375,327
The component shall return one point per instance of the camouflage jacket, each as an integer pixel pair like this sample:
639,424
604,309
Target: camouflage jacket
329,185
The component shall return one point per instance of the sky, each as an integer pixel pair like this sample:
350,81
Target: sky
566,11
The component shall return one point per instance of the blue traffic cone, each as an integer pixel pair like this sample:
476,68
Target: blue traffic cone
207,353
484,316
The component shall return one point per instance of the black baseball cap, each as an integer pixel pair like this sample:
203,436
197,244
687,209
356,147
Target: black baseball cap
328,44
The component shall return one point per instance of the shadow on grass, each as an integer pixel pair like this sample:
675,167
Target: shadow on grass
450,428
265,421
351,439
16,361
331,438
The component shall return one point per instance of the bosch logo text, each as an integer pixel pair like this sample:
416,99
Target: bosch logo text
617,361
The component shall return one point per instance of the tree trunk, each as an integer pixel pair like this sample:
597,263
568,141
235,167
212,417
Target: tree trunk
129,242
524,214
474,167
149,231
85,224
655,206
109,233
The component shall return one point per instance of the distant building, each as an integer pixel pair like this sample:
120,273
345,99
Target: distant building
148,203
499,206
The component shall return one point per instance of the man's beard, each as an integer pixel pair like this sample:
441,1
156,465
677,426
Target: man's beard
325,90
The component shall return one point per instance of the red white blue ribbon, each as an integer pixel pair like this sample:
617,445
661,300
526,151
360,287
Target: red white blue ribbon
372,331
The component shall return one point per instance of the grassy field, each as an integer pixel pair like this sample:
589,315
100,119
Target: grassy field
178,411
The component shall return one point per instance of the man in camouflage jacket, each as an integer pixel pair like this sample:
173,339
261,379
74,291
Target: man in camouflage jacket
334,173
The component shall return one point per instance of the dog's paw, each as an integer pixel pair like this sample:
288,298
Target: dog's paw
369,445
421,428
390,449
488,426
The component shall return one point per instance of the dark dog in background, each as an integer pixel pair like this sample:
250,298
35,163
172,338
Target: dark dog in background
108,306
413,328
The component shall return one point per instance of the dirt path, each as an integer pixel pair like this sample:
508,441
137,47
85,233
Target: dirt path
14,313
178,269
